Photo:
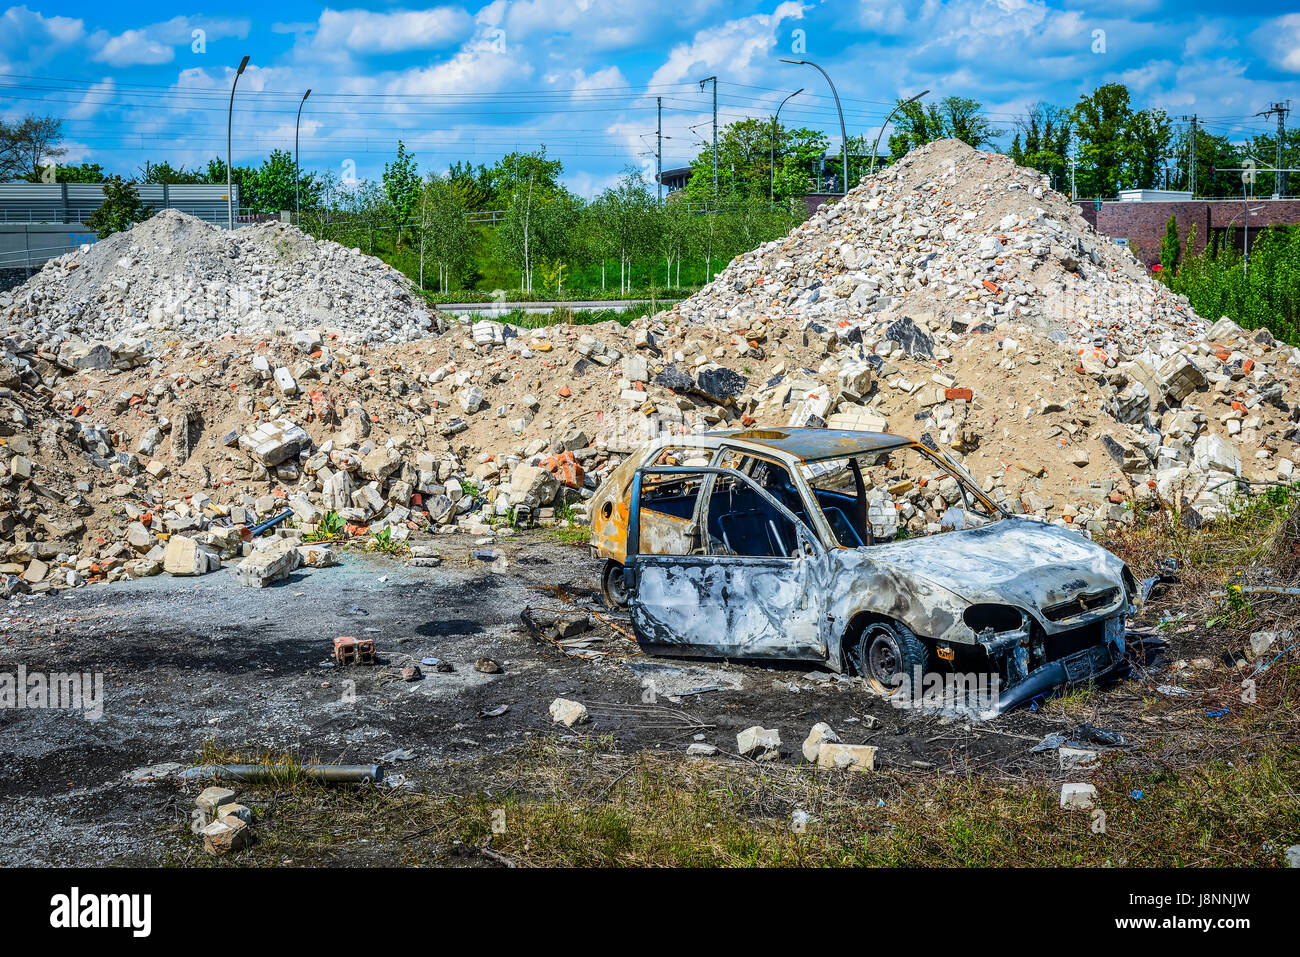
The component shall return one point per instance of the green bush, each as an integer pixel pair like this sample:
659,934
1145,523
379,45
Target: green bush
1263,294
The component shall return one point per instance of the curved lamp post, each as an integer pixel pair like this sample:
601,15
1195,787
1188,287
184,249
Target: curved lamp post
875,148
297,212
843,134
771,161
230,193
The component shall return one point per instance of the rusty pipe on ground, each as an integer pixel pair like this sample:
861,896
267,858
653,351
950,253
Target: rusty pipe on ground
322,773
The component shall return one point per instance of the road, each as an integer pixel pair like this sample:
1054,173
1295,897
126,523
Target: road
501,308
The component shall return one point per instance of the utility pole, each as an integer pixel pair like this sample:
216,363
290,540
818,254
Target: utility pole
771,160
230,113
297,209
714,81
1281,109
659,150
1191,160
843,134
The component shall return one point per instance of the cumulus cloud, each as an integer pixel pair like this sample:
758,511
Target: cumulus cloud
130,48
1280,40
156,43
365,32
741,46
28,36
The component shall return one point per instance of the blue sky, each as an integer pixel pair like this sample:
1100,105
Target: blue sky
473,81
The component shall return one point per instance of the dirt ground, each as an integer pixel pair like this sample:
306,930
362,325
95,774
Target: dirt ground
198,663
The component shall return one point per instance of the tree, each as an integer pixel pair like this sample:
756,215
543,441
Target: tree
445,234
28,146
954,117
120,210
1042,142
77,173
511,175
165,173
915,123
473,184
1170,250
402,184
1119,147
963,119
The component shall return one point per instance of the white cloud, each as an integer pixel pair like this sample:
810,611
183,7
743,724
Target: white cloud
743,47
364,32
29,36
482,65
1280,39
130,48
93,100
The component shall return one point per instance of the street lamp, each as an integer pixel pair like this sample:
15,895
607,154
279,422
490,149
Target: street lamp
297,212
771,162
876,147
843,133
230,201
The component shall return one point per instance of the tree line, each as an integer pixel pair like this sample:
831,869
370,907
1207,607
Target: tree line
513,222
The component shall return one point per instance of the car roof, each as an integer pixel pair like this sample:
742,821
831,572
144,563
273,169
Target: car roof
812,445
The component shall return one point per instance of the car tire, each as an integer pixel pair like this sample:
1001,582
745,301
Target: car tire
612,587
887,650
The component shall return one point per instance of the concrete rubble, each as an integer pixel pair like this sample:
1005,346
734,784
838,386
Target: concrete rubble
171,387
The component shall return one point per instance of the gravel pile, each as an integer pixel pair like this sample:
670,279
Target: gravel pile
177,277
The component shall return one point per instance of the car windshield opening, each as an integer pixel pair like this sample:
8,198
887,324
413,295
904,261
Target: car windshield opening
894,494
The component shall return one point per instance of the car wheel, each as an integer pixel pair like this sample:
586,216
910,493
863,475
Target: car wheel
889,651
612,586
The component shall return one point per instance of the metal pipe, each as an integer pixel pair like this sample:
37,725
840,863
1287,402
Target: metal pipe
322,773
230,114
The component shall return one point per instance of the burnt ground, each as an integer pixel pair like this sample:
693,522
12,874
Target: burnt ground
190,663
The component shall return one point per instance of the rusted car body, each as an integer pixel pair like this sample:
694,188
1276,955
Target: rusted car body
827,546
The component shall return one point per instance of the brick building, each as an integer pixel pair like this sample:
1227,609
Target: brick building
1139,217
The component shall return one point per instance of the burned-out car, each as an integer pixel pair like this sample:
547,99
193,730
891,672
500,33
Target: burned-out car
867,552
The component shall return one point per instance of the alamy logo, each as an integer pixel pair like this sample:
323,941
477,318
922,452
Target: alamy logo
74,691
74,910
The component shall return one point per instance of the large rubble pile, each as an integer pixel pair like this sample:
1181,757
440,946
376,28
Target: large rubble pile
958,294
953,295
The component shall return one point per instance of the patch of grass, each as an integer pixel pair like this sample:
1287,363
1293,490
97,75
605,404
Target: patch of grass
327,529
570,534
555,806
382,541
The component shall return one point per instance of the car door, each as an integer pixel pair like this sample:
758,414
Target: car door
749,590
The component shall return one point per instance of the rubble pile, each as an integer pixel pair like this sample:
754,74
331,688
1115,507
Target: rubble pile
958,295
952,295
175,276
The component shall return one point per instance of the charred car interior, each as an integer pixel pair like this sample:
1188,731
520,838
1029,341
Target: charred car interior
866,552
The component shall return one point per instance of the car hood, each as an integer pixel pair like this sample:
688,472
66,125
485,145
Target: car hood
1013,561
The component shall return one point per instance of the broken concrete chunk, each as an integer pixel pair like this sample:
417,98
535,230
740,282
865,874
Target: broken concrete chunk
834,754
568,713
762,743
1078,796
821,732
